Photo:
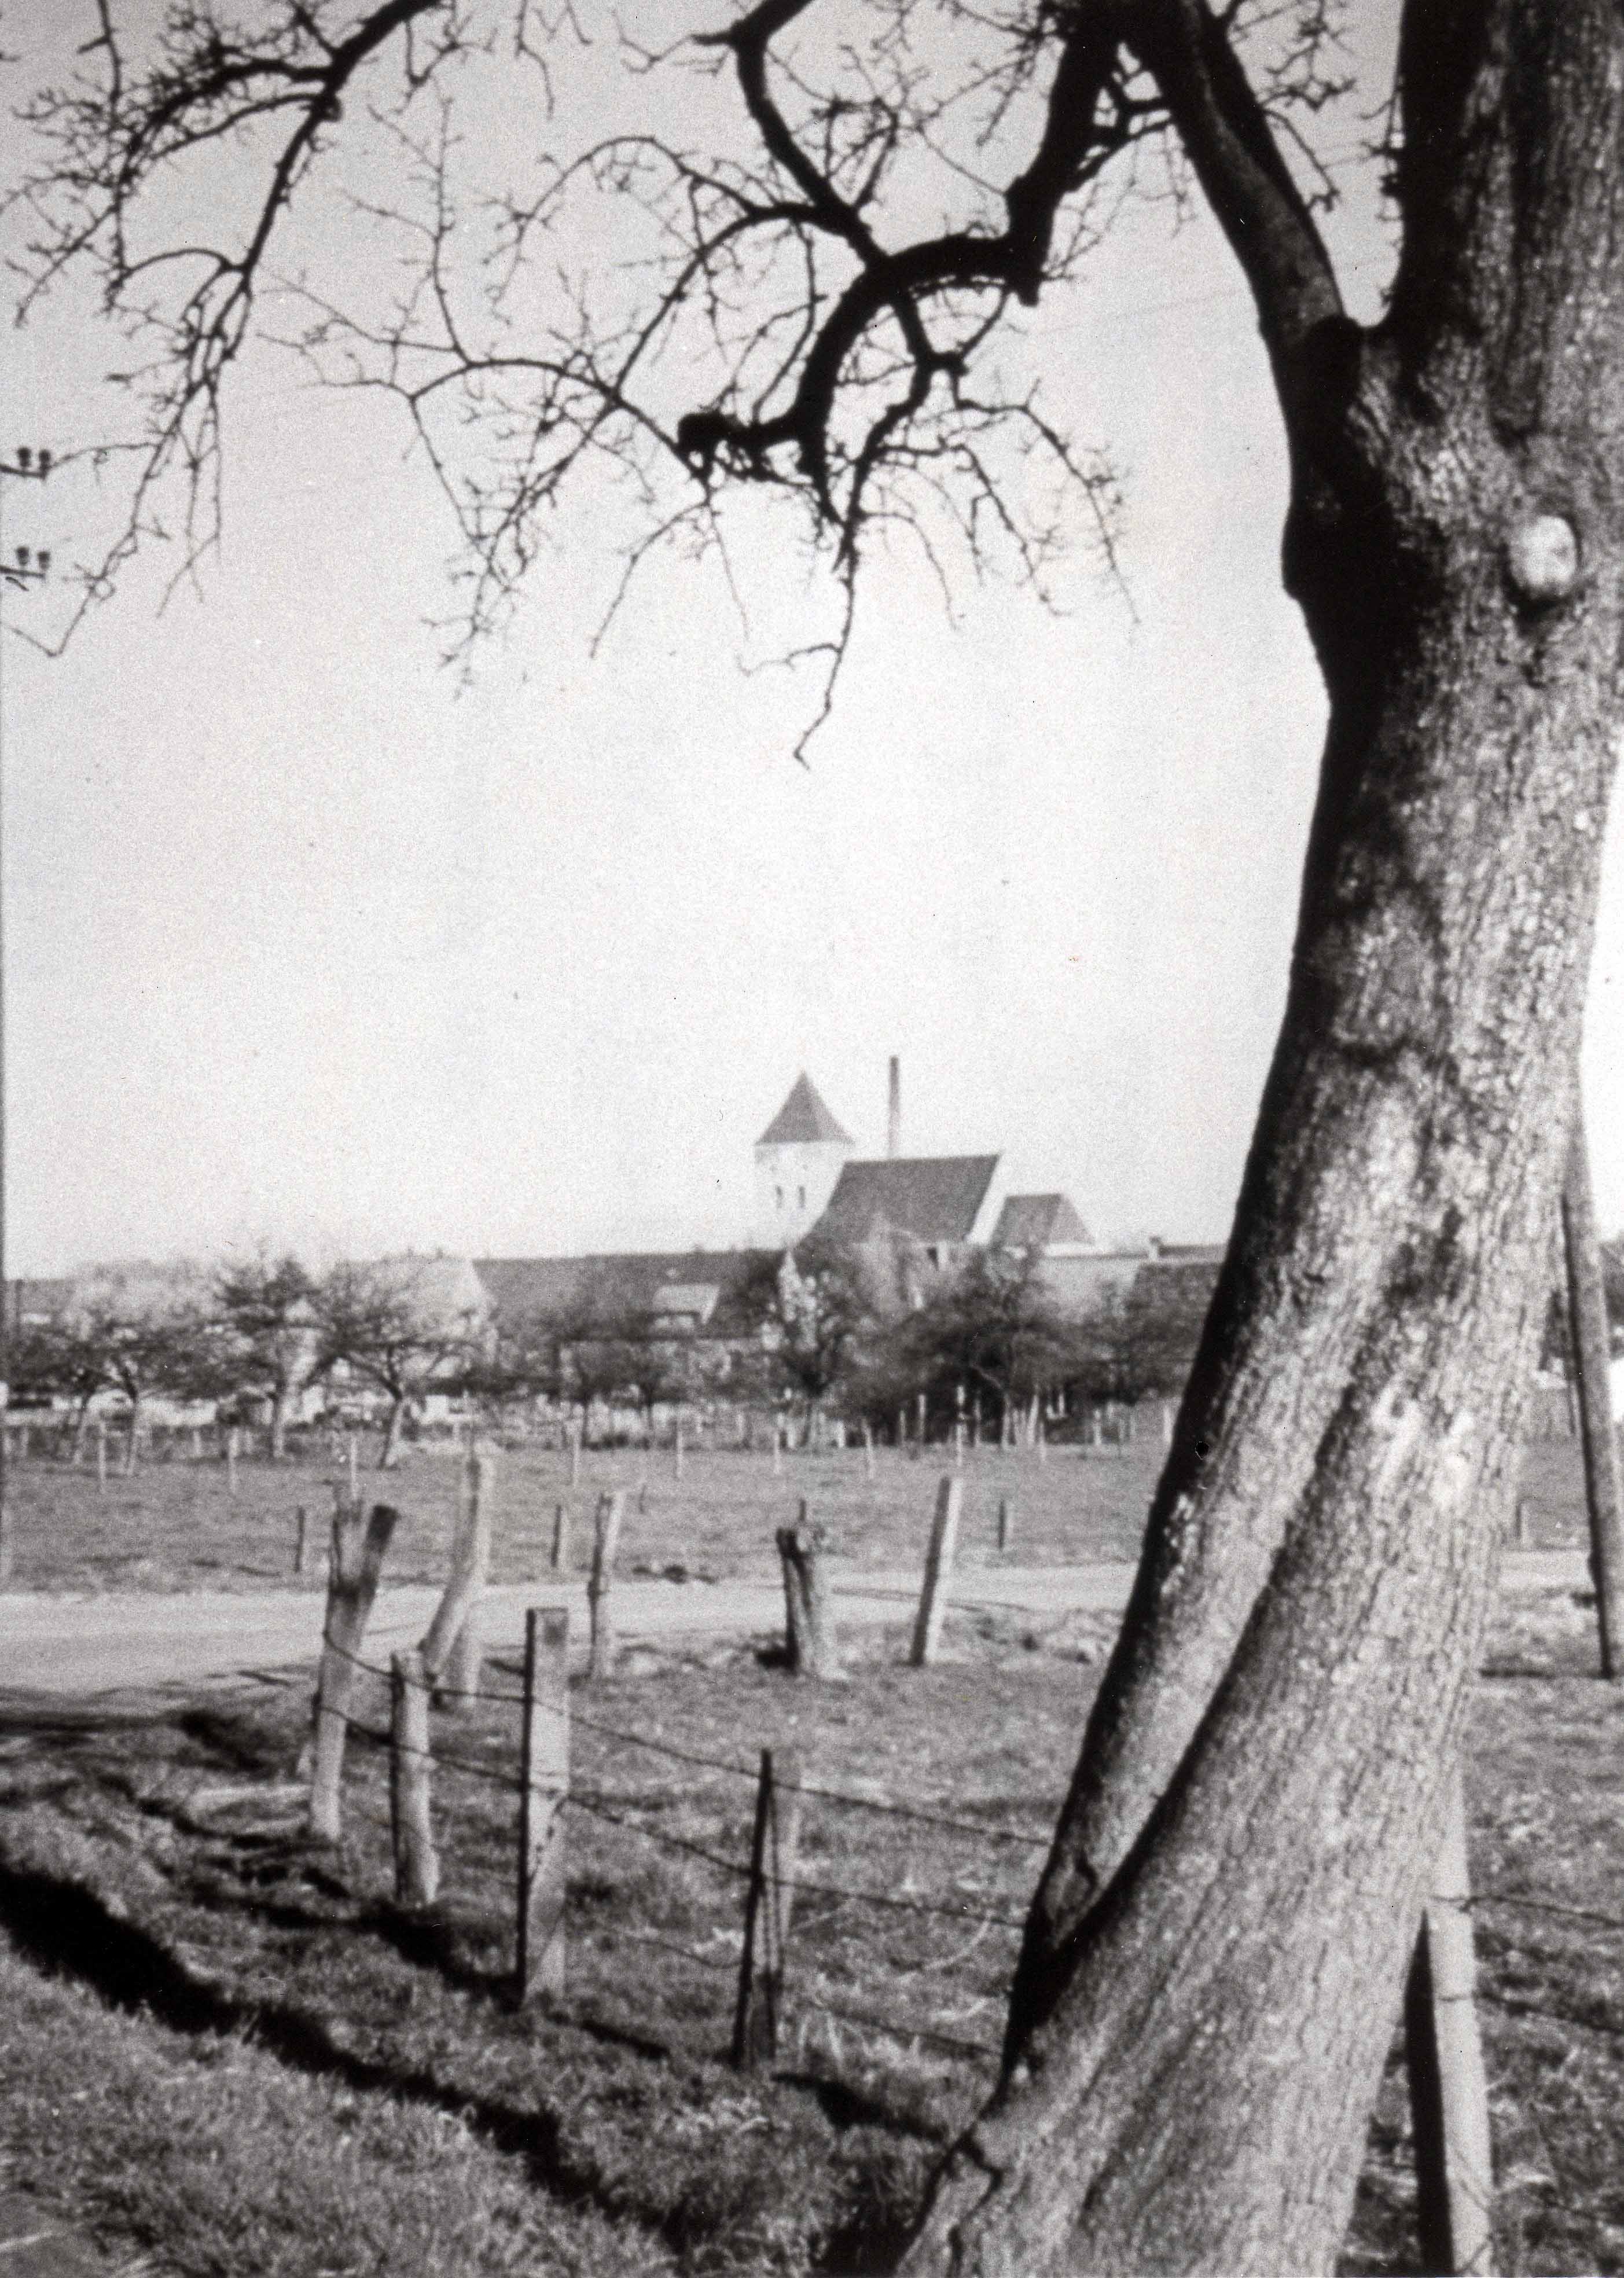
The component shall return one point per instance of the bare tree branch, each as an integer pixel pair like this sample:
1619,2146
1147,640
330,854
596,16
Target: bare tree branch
834,350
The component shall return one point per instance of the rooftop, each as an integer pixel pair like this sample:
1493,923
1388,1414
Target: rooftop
931,1198
803,1120
1037,1222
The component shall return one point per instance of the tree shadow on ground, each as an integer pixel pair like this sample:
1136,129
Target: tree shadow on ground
67,1932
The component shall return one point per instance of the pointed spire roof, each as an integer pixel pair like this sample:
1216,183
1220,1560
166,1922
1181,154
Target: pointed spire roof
803,1120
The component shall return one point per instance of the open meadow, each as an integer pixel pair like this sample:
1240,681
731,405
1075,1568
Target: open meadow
231,2049
179,1524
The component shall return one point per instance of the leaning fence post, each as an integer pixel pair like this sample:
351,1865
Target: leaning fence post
938,1566
811,1648
544,1783
458,1604
358,1548
606,1542
416,1868
1587,1335
1449,2090
465,1656
770,1897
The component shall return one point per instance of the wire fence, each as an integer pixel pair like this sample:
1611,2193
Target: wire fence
980,1882
832,1981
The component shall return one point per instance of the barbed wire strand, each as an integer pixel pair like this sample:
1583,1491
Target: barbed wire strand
732,1768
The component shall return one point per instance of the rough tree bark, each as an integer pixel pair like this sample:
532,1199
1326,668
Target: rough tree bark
1213,1966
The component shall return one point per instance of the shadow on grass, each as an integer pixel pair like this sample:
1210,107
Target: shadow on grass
66,1931
233,1738
428,1943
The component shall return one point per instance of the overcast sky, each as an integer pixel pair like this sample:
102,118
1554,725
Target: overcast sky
304,945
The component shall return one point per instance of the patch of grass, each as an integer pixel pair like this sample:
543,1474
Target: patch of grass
192,1974
174,1526
117,1871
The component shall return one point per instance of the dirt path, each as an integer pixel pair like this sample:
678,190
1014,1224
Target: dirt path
104,1644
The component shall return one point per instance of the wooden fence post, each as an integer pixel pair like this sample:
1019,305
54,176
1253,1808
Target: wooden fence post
560,1539
1449,2090
938,1566
770,1897
358,1547
300,1538
101,1454
777,1449
811,1648
1006,1524
451,1649
606,1542
416,1868
677,1446
544,1782
355,1468
1588,1338
231,1461
574,1434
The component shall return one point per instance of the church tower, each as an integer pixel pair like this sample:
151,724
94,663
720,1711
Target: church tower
798,1159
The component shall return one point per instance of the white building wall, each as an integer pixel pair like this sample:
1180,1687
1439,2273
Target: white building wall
793,1182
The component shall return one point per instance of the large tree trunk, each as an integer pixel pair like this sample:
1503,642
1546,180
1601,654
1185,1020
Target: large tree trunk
1215,1958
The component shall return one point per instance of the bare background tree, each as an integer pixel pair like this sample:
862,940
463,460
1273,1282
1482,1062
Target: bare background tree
1215,1957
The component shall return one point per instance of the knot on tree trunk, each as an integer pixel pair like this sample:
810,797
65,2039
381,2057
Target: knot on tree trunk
1541,558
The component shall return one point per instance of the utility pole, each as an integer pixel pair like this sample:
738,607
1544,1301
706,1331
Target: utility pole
1589,1342
26,567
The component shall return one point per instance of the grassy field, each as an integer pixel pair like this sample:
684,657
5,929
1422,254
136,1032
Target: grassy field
233,2051
175,1526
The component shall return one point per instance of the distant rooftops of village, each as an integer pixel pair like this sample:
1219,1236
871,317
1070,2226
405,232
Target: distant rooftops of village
810,1186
